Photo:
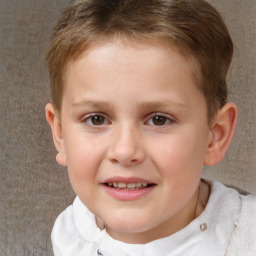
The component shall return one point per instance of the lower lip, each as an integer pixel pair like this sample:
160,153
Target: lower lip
128,195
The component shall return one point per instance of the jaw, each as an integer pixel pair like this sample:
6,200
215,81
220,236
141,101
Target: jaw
142,221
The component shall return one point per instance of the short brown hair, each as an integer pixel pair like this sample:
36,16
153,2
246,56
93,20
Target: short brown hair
193,25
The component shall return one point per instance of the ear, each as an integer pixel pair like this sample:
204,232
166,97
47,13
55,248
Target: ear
53,118
222,131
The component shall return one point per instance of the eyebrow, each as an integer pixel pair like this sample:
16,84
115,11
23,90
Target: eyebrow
143,105
91,103
163,103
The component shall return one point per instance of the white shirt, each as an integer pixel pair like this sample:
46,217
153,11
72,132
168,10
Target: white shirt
226,227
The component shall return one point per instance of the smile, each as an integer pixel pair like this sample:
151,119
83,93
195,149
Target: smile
128,189
128,186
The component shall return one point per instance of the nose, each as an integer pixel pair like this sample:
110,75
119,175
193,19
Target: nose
126,147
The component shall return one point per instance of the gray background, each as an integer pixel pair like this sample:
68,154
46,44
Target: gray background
33,188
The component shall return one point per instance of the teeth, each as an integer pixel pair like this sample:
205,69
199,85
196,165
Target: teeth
131,185
123,185
138,185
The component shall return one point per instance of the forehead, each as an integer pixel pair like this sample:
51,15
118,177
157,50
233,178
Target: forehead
154,72
125,43
128,51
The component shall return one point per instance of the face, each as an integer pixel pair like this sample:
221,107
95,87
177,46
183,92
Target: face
134,135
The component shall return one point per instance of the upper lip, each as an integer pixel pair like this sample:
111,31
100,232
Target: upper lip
127,180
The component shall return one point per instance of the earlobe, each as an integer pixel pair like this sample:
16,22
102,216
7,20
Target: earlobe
222,131
52,117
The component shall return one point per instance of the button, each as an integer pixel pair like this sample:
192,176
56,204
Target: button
203,227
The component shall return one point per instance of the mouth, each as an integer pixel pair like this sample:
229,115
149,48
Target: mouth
129,186
128,189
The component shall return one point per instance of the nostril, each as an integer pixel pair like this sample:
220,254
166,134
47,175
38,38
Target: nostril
114,161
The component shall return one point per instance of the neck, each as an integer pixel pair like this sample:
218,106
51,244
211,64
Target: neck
202,198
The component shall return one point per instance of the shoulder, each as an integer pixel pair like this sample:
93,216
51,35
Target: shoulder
247,219
248,205
243,240
64,231
66,236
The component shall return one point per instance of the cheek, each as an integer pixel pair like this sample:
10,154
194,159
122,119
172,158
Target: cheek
178,156
179,162
83,164
84,156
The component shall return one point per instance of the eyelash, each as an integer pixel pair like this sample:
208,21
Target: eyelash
164,119
88,119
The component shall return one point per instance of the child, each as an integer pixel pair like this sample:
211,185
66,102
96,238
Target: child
139,106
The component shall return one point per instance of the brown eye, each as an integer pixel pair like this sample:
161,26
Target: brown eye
159,120
97,120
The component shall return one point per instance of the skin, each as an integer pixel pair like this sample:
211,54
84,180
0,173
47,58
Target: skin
151,123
